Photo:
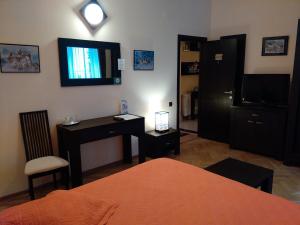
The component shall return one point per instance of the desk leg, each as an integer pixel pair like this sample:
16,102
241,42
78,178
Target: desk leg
127,152
61,149
75,165
63,154
142,154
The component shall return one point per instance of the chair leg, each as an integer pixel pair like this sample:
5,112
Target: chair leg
66,177
30,185
54,181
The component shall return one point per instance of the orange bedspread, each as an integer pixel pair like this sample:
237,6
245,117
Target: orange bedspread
60,208
167,192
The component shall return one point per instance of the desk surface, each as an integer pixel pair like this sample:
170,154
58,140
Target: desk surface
90,123
156,134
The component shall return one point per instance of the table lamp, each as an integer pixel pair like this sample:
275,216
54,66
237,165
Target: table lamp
162,122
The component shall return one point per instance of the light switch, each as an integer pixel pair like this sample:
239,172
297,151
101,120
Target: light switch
121,64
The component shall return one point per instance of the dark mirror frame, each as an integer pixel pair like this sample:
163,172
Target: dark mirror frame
63,43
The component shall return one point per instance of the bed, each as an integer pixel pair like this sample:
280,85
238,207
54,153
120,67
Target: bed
166,192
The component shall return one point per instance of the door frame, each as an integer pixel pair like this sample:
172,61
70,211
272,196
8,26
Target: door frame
179,39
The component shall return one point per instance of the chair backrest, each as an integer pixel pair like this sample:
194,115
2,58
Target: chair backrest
36,134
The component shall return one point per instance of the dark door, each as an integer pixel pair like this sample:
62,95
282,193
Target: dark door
219,67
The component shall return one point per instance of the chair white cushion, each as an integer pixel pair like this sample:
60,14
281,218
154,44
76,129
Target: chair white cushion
44,164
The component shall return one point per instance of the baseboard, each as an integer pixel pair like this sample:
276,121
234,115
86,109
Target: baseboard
189,131
85,173
114,164
25,191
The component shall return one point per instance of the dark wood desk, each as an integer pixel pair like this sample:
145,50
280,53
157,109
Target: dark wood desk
71,137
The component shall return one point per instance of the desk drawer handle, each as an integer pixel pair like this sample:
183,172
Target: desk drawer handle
112,132
250,121
255,115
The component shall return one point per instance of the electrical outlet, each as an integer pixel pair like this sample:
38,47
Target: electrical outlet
170,104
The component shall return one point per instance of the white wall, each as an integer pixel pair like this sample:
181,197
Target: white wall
136,24
258,19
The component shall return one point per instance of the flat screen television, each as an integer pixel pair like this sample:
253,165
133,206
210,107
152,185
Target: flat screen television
266,89
85,63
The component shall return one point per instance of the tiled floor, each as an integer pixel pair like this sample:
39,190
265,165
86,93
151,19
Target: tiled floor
189,125
201,153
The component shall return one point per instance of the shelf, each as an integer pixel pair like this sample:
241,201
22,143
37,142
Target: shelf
190,68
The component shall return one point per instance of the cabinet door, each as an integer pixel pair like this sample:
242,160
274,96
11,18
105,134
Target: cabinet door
259,131
242,131
263,137
274,132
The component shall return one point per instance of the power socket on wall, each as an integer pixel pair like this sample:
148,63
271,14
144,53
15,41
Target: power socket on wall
170,104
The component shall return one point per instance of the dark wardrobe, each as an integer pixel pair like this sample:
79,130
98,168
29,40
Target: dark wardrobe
292,154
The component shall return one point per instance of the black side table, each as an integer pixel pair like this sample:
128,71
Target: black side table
160,144
246,173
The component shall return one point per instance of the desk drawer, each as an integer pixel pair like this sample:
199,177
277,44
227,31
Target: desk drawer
161,146
111,130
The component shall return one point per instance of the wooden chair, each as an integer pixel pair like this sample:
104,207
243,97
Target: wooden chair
39,152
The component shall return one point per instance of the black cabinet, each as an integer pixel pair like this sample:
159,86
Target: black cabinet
259,130
160,144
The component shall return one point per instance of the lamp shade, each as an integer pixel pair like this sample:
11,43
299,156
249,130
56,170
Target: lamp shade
93,14
161,121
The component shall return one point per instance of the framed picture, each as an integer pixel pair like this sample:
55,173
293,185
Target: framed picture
274,46
19,58
143,60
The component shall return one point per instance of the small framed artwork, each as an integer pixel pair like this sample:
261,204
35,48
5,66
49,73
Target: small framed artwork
143,60
275,46
19,58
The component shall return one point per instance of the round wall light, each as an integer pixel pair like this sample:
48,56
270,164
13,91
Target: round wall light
93,14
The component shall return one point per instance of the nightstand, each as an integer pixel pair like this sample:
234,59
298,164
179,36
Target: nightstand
160,144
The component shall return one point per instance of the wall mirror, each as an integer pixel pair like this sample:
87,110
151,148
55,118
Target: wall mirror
84,63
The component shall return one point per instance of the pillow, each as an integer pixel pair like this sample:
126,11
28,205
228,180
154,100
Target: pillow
60,208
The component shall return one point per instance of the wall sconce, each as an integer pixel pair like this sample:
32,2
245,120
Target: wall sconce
162,122
93,14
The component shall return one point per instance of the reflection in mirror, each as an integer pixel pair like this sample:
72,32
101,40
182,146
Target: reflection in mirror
108,63
88,62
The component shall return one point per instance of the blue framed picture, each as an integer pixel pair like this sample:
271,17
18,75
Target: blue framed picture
19,58
143,60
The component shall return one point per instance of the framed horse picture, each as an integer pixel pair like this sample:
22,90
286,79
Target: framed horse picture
275,46
19,58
